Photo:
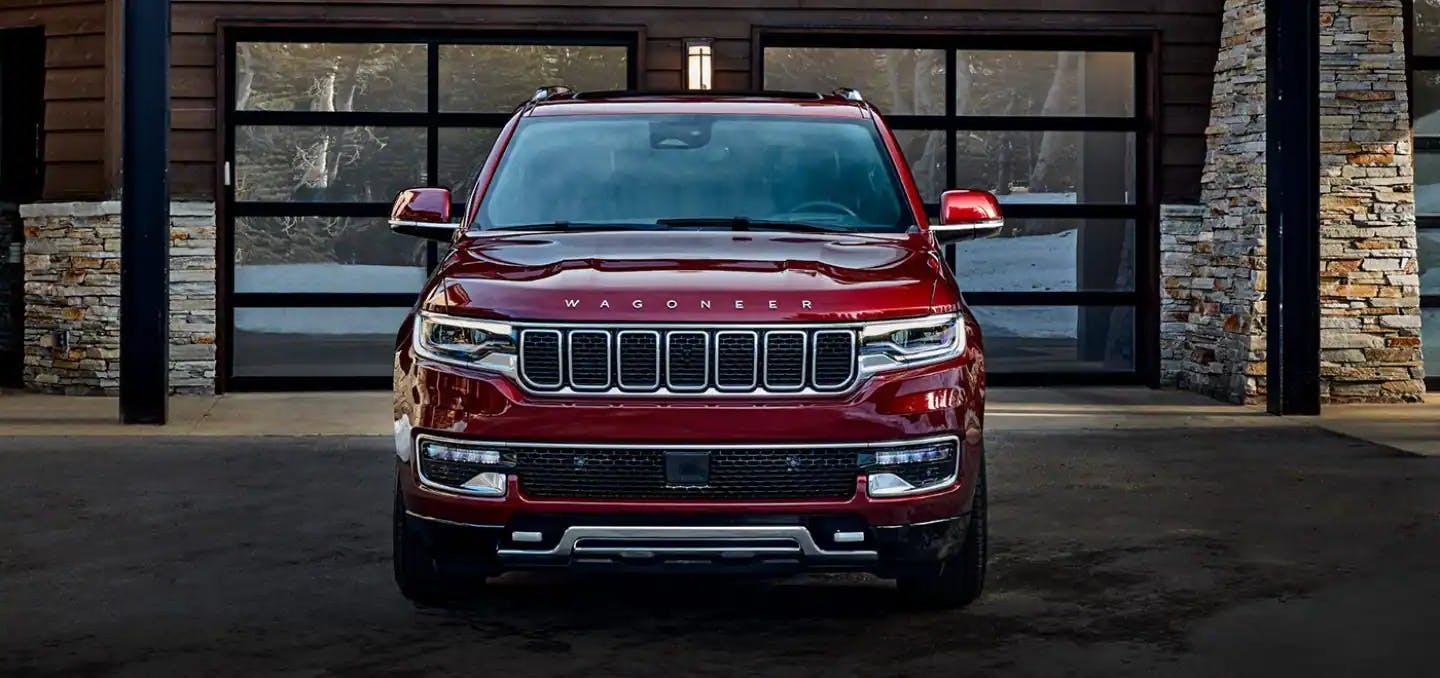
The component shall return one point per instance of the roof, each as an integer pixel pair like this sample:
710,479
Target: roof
748,103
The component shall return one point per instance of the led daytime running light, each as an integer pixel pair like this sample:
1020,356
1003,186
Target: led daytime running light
448,453
921,456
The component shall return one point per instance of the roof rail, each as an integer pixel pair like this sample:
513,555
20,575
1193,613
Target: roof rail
849,93
550,92
634,94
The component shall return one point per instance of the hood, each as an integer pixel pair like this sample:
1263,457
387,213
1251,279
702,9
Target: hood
691,276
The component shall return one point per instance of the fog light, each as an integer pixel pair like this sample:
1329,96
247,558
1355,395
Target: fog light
888,485
487,484
452,465
911,469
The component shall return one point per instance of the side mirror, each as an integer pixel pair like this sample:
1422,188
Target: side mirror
424,213
967,214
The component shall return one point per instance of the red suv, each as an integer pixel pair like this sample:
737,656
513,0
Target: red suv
692,333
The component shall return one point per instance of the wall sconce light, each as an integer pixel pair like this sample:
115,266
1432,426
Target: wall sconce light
699,63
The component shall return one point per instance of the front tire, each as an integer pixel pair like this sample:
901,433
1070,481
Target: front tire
419,574
958,580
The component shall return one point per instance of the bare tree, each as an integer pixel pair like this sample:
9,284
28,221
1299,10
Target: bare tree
1067,69
244,77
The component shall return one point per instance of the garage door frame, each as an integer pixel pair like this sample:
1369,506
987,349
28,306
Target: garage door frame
433,119
1144,211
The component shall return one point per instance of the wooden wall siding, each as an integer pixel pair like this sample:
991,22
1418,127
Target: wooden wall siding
76,143
1189,32
76,84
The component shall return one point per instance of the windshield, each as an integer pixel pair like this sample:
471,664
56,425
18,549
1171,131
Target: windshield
696,171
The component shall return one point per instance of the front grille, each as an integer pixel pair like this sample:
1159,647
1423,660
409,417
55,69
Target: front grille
639,473
785,360
834,358
540,358
687,360
590,359
639,360
684,360
736,360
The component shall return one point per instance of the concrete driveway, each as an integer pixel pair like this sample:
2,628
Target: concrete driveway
1182,546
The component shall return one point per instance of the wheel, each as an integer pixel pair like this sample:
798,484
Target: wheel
958,580
420,575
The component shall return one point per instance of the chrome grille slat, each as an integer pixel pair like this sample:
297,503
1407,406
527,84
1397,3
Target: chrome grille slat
639,360
689,361
832,358
785,360
589,359
737,360
540,358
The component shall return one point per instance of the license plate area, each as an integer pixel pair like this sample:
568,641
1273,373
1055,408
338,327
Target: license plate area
687,469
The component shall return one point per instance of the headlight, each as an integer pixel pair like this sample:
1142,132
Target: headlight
464,341
911,342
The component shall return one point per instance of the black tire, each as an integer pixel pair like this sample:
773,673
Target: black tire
958,580
419,574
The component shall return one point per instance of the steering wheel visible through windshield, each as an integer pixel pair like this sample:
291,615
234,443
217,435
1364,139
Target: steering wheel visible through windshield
697,170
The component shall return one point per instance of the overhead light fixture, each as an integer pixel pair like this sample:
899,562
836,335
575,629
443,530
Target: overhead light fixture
699,63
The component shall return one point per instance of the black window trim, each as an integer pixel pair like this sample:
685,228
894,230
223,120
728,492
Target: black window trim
1422,143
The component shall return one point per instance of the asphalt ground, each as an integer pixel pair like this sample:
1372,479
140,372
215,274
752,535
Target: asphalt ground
1154,551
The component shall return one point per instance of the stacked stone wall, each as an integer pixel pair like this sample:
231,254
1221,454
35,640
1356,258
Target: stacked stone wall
1369,281
1213,276
72,298
1222,287
1184,247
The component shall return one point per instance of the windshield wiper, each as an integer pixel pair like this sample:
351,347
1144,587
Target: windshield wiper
745,224
581,226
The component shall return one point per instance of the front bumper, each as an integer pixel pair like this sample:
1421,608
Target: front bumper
944,399
744,544
884,535
442,504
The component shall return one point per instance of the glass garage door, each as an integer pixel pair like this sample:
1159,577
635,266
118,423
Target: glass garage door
1425,98
1057,130
324,129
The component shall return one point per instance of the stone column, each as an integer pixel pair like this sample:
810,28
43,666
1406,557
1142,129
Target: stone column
193,301
1213,307
1369,286
1224,338
72,298
1186,281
